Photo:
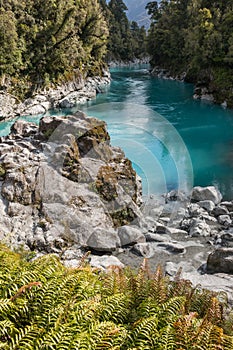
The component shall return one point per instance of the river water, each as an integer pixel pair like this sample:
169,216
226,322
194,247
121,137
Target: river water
173,141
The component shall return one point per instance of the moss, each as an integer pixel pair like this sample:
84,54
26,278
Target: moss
2,171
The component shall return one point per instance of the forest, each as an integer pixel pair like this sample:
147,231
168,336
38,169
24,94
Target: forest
49,42
195,37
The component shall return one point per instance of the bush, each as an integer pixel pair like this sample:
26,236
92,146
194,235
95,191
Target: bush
47,306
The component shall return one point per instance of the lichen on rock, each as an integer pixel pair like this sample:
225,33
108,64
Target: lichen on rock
61,182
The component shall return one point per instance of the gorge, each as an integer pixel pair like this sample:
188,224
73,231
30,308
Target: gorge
172,230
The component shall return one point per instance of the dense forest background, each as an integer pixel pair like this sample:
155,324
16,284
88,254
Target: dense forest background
53,41
195,37
49,42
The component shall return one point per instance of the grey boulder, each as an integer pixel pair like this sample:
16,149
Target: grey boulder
130,235
206,193
220,260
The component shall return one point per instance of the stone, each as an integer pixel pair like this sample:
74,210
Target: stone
226,239
155,237
175,248
195,210
220,260
206,193
175,231
225,220
207,204
72,254
144,249
185,224
220,210
105,261
228,205
23,128
104,240
199,228
161,229
48,192
130,235
34,109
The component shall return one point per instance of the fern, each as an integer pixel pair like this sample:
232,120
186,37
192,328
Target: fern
45,306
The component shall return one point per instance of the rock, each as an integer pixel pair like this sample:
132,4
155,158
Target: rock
220,210
195,210
225,220
228,205
72,254
104,240
155,237
199,228
66,95
23,128
226,239
220,260
34,109
161,228
130,235
185,224
105,261
175,248
175,231
207,204
206,193
210,220
51,197
172,268
144,249
71,263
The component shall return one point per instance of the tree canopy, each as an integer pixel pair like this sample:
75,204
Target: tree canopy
48,41
127,40
195,36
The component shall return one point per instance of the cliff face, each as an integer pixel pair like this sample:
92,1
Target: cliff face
63,185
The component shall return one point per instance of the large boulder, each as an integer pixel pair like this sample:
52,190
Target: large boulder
210,193
220,260
62,184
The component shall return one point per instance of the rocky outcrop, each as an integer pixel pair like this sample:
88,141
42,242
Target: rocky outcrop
63,185
64,96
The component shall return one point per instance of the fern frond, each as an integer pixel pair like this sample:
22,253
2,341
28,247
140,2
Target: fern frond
166,339
145,333
171,310
115,308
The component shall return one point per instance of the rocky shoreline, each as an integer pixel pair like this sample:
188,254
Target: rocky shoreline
66,191
202,90
136,61
65,96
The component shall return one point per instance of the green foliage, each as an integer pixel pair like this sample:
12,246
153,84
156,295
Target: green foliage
194,37
44,42
127,40
45,306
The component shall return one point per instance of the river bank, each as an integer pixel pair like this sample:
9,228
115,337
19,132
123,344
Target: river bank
65,96
66,191
205,86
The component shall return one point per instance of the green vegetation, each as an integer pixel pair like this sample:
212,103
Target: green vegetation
195,37
47,306
127,40
46,42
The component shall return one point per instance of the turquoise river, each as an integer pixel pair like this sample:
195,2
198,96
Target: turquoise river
172,140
